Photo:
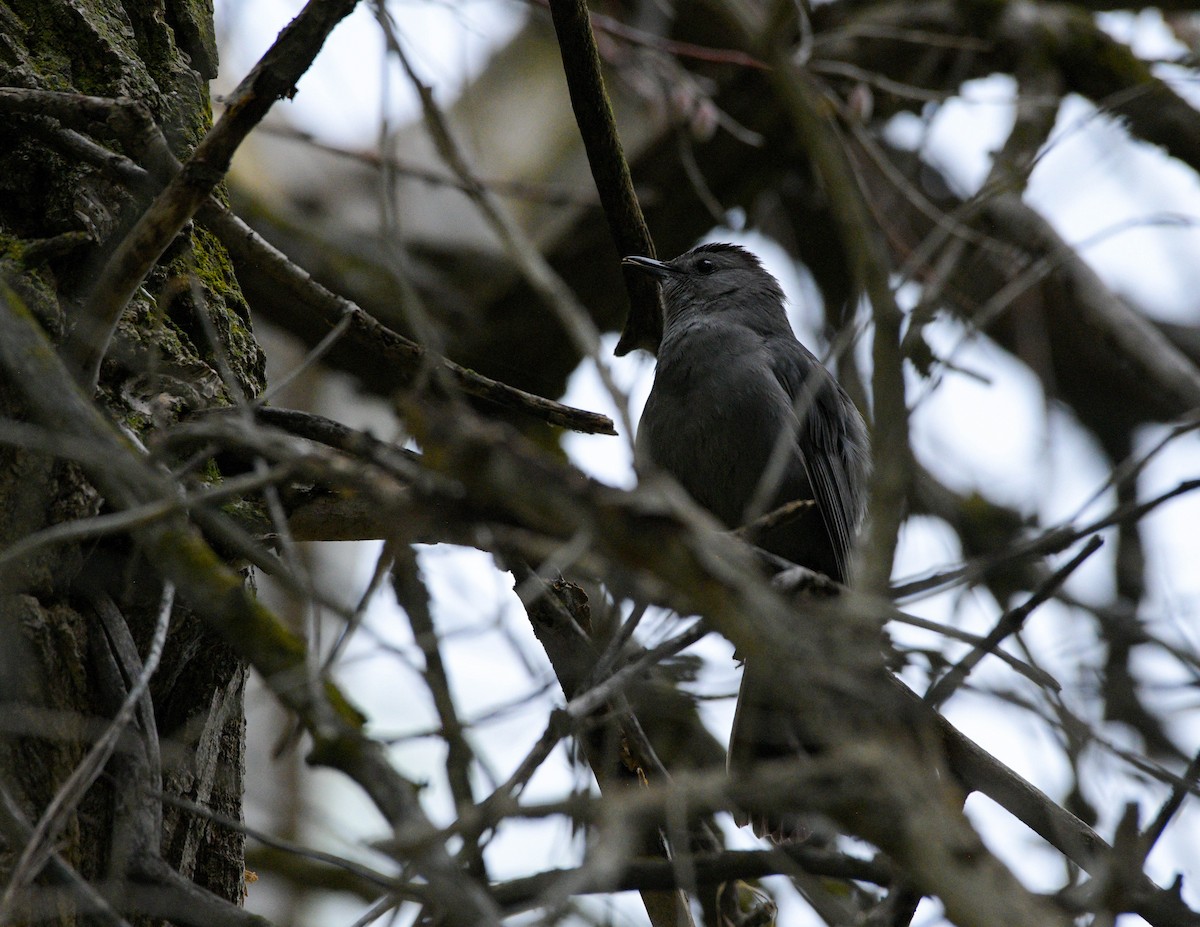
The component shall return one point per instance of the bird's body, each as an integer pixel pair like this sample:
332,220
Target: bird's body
718,450
732,382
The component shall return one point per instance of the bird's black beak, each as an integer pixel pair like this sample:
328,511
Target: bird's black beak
647,265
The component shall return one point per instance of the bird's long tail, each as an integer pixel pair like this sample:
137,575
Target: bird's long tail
763,732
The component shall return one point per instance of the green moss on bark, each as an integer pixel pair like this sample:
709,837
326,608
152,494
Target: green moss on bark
58,221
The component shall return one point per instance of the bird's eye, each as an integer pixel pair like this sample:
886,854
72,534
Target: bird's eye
705,266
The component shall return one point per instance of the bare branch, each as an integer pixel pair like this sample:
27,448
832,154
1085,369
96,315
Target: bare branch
182,556
271,79
598,129
1010,623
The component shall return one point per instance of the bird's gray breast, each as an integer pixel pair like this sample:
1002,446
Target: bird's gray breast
714,414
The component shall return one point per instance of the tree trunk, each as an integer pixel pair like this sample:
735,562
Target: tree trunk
60,218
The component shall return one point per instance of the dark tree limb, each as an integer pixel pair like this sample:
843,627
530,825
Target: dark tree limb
598,129
381,353
401,358
217,592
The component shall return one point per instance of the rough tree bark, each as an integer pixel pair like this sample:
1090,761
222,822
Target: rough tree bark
59,219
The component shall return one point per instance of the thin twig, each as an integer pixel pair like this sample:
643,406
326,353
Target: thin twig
550,194
678,49
1034,674
594,697
1009,623
786,513
545,282
413,597
369,875
17,831
138,516
1049,542
1170,807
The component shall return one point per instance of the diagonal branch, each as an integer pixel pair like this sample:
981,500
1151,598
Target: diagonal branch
413,597
272,78
219,595
323,310
610,171
1010,623
315,313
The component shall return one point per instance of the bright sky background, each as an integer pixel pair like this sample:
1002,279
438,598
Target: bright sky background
999,436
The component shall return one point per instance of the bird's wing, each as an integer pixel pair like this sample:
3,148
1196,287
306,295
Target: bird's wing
831,441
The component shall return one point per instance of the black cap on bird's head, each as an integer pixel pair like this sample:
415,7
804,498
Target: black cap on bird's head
708,276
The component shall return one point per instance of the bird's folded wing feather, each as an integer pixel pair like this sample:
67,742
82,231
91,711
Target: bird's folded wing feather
823,444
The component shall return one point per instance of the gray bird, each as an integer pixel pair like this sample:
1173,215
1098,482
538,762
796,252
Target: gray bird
731,379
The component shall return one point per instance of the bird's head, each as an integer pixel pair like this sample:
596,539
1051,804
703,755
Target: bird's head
713,278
